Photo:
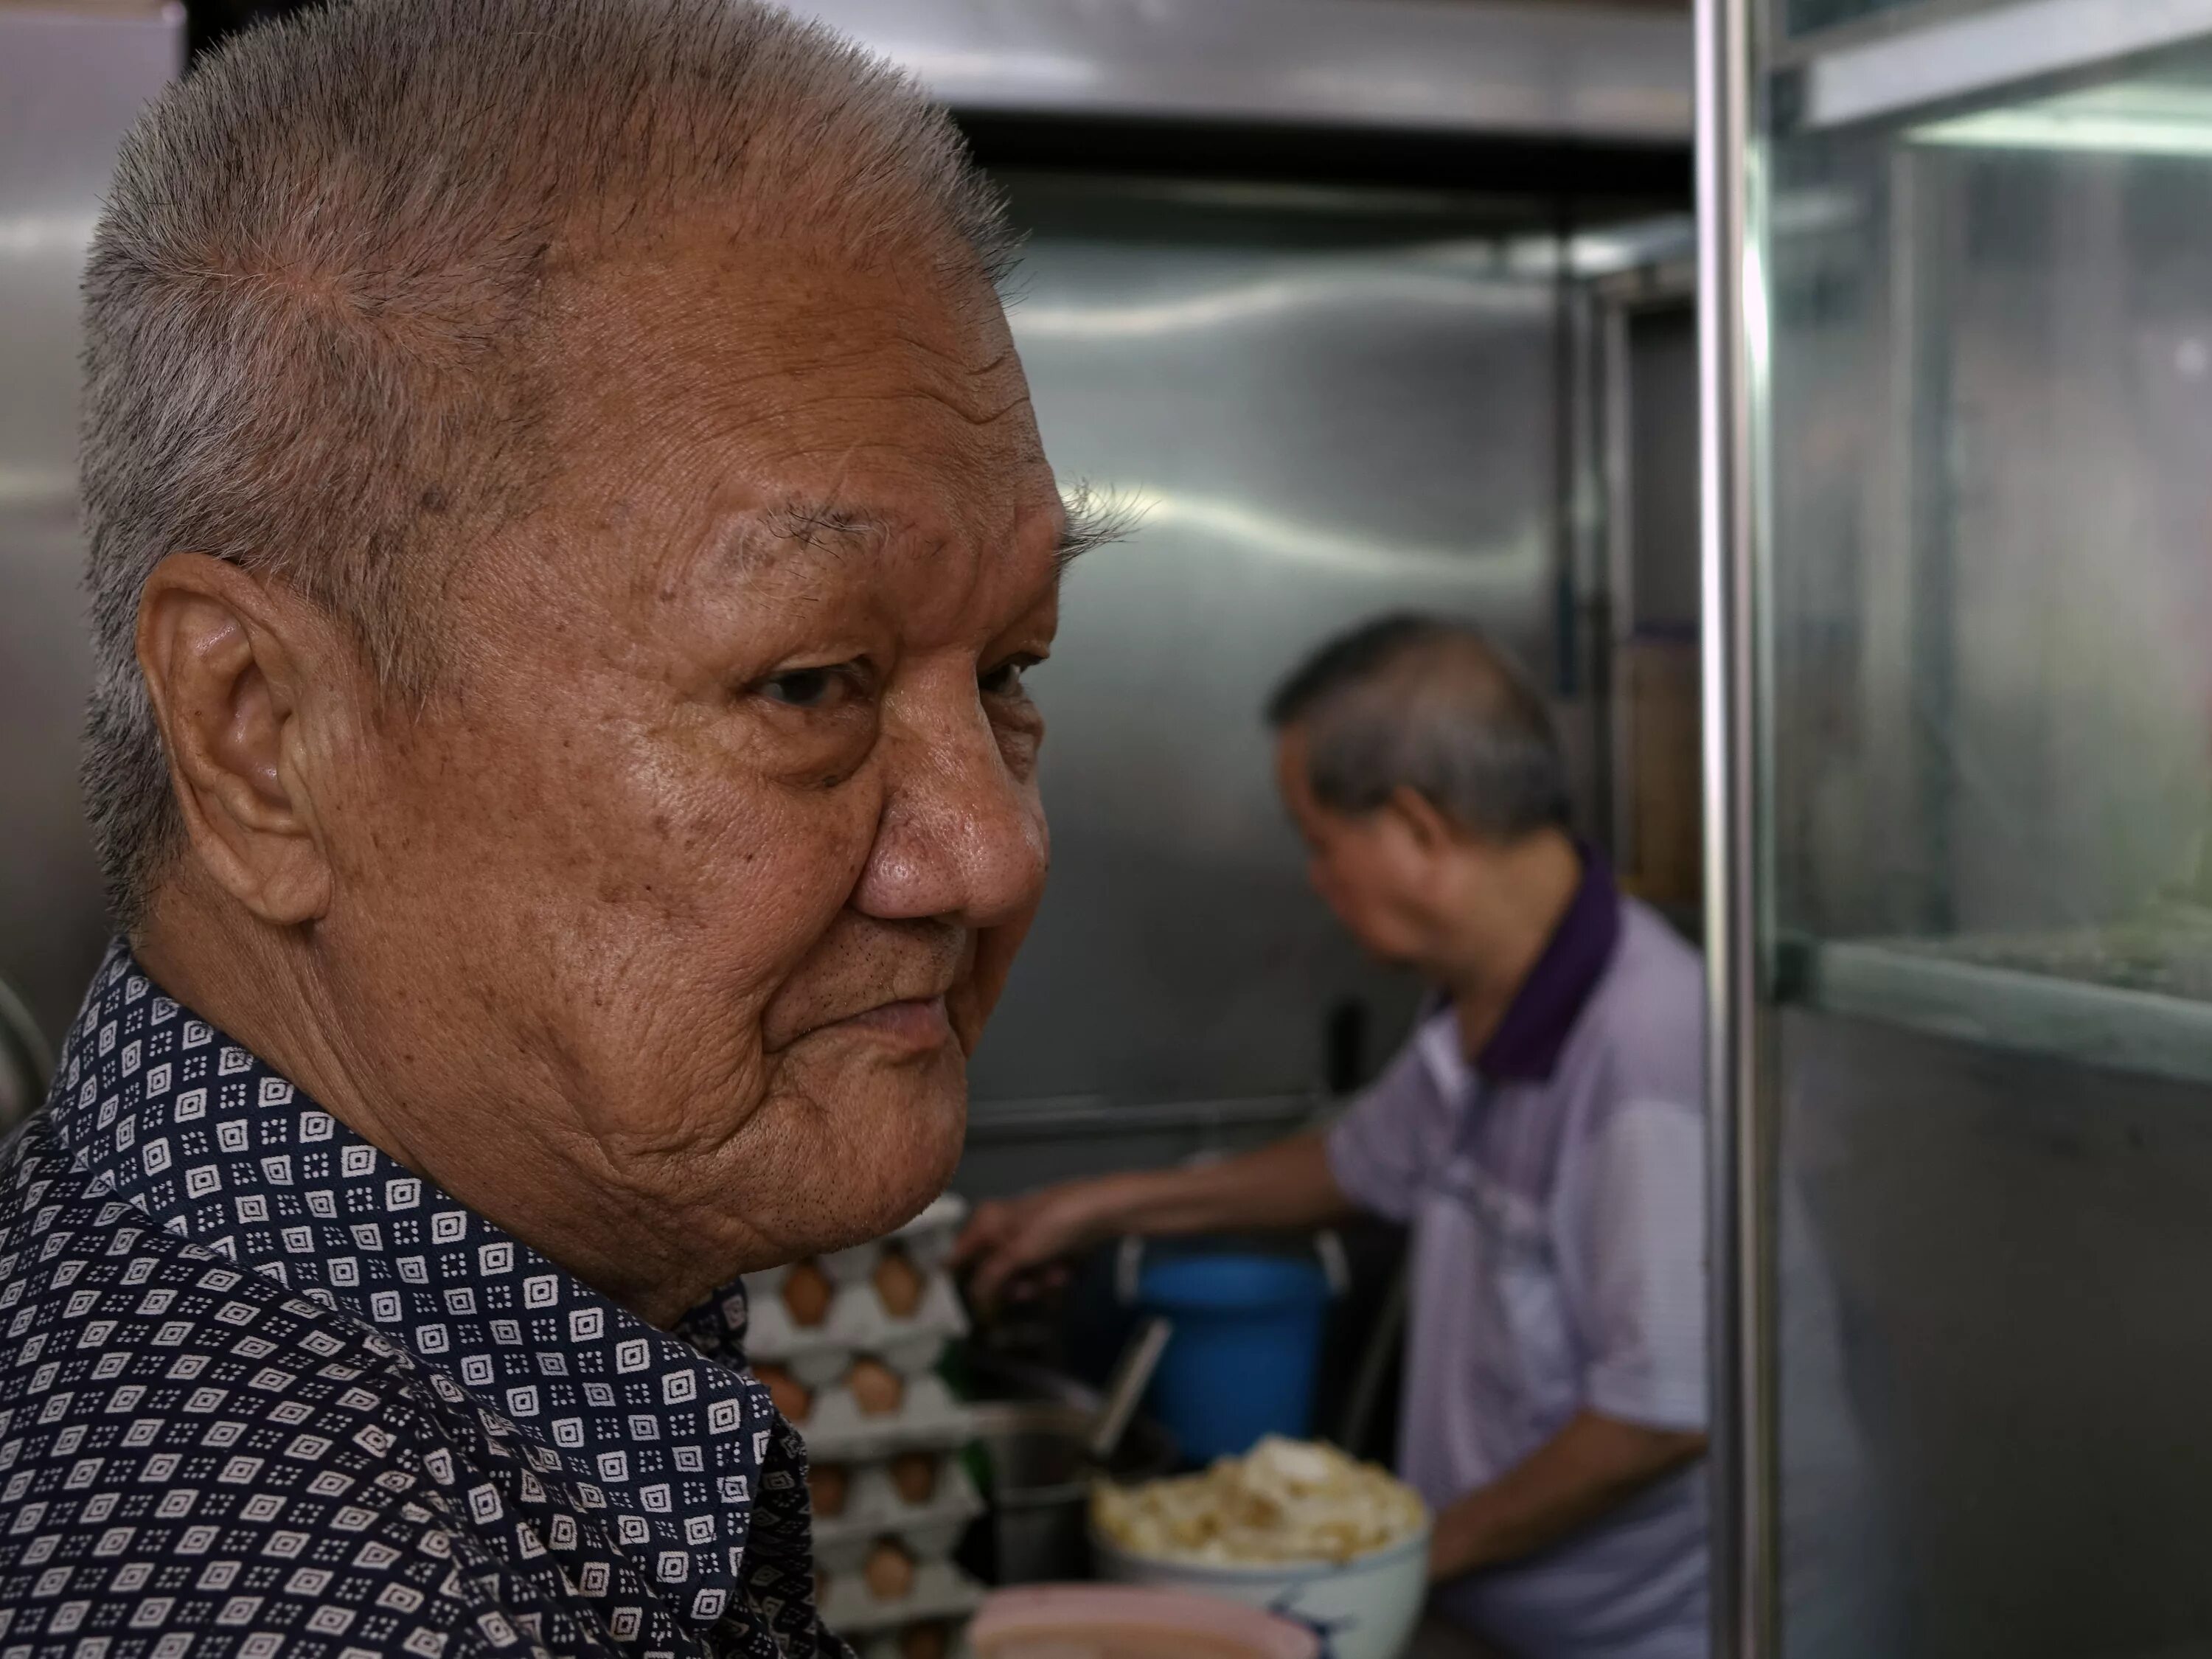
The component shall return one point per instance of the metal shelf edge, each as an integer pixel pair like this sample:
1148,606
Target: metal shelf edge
1959,56
2098,1025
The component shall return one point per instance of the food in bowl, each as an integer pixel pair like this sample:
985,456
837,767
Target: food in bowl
1284,1502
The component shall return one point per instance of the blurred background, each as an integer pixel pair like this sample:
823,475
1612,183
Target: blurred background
1368,304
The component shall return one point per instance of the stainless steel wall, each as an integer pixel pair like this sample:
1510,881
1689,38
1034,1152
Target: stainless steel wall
71,83
1318,409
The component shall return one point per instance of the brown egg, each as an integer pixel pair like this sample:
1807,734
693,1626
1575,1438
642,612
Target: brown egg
914,1475
877,1389
807,1293
924,1642
889,1572
827,1482
791,1397
899,1284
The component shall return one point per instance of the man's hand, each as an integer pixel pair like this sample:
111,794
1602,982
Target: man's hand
1008,1237
1285,1185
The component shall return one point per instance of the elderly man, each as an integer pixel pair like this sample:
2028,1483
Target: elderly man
567,532
1542,1132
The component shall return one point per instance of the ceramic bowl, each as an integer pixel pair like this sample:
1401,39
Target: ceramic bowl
1366,1608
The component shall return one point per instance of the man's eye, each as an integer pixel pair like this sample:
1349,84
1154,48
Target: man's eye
1006,680
807,688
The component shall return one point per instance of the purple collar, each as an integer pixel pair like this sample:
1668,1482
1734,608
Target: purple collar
1525,1047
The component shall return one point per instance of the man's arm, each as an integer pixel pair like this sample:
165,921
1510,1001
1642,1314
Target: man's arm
1287,1185
1591,1466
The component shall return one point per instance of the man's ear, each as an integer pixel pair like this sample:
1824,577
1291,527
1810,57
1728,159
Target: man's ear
1429,830
229,662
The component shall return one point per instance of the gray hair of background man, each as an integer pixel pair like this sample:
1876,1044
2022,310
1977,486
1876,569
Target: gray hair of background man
316,305
1431,705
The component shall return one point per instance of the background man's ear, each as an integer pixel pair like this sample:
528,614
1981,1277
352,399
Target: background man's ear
1431,830
232,664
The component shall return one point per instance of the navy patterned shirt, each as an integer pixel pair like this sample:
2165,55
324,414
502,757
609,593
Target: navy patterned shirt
264,1391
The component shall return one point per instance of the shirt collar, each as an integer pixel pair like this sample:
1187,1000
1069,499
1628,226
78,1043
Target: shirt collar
1527,1044
213,1145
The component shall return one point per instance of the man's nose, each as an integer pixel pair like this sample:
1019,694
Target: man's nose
962,836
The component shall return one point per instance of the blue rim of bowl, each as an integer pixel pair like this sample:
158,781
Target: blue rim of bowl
1272,1571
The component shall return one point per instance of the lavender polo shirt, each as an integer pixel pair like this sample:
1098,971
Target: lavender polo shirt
1555,1192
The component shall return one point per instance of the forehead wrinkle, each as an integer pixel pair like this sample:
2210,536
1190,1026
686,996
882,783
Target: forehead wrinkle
954,358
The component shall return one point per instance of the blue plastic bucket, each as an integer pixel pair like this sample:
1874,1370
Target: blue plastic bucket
1246,1344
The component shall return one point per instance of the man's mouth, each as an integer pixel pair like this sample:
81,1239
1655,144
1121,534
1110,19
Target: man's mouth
912,1025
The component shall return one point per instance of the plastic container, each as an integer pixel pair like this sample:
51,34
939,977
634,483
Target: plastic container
1247,1343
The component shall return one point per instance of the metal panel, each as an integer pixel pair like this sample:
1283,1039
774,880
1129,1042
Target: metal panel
1531,70
69,85
1959,57
1317,415
2015,1246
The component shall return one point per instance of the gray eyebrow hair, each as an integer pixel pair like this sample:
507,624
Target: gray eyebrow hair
754,540
1094,520
817,523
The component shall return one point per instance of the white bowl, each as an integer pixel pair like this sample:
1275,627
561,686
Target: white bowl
1366,1608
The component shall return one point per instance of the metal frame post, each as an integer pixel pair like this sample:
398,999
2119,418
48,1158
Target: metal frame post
1731,330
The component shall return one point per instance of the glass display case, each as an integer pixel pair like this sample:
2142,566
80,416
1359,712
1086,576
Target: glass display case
1988,410
1960,467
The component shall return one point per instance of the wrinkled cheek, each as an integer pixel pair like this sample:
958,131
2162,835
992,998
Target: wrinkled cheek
765,886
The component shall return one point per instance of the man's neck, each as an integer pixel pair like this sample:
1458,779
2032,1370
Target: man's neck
1524,893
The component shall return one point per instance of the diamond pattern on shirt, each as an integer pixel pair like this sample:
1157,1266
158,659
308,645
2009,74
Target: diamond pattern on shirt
263,1389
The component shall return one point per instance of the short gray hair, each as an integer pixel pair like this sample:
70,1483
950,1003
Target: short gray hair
1432,705
312,305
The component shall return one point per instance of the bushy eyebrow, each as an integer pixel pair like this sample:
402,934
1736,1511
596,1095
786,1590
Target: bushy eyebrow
1093,521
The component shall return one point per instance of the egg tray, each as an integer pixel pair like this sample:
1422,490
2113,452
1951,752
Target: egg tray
874,1510
857,1323
933,1542
927,1240
884,1644
940,1590
928,1418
